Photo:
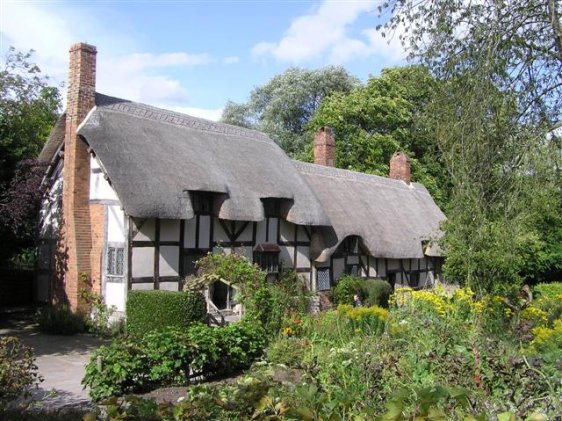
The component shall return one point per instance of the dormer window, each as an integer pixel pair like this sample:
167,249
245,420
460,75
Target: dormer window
201,202
271,207
266,256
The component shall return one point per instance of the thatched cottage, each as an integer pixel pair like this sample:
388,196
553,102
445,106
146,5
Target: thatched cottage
137,194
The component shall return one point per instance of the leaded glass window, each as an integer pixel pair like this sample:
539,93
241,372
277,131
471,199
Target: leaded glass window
115,261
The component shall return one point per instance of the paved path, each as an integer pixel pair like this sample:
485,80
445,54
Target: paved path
61,361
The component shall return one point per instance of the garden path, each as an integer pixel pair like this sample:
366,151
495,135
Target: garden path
61,362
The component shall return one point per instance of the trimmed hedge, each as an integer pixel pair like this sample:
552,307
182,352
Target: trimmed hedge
377,292
171,357
156,310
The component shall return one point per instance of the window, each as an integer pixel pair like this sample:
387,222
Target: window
115,259
201,202
323,278
271,207
350,245
267,257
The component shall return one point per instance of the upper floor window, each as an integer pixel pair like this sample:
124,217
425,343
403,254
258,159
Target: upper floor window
267,257
202,202
271,207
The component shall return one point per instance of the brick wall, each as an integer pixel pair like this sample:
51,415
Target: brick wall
400,167
325,147
83,224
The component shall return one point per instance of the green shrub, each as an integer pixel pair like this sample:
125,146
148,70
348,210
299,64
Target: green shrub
376,292
549,290
170,356
346,288
60,320
116,369
289,351
156,310
17,369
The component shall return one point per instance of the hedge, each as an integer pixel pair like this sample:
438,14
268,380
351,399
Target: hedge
172,357
155,310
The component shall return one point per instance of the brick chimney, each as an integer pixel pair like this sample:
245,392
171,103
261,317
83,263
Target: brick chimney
77,238
400,167
325,147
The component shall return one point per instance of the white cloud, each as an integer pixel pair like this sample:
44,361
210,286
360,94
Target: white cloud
131,76
50,32
325,33
208,114
231,60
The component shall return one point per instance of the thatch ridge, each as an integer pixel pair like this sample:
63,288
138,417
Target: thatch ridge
392,218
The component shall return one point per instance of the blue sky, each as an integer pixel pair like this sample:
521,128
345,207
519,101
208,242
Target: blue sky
193,56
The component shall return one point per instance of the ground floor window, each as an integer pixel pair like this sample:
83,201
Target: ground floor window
115,261
323,279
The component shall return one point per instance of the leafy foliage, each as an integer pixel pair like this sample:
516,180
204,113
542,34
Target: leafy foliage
18,371
171,357
346,288
498,97
28,109
374,121
376,292
156,310
373,292
60,320
282,107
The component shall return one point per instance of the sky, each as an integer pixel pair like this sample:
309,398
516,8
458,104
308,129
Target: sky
194,56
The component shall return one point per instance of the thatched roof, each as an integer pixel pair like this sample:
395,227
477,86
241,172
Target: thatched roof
391,217
154,157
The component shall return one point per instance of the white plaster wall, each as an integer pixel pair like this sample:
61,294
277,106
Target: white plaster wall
50,211
189,235
247,234
302,257
260,232
287,231
116,295
169,260
143,286
143,262
147,230
286,255
393,264
338,268
169,230
116,232
219,233
169,286
100,189
204,231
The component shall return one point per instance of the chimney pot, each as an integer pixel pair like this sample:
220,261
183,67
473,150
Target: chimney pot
325,147
400,167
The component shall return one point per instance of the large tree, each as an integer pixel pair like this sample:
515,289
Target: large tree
500,94
29,107
282,107
374,121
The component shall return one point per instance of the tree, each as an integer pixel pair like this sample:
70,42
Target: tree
500,70
28,109
374,121
282,107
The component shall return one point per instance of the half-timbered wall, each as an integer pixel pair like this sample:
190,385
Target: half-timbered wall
49,223
351,258
163,252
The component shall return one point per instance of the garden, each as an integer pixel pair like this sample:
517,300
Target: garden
439,354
